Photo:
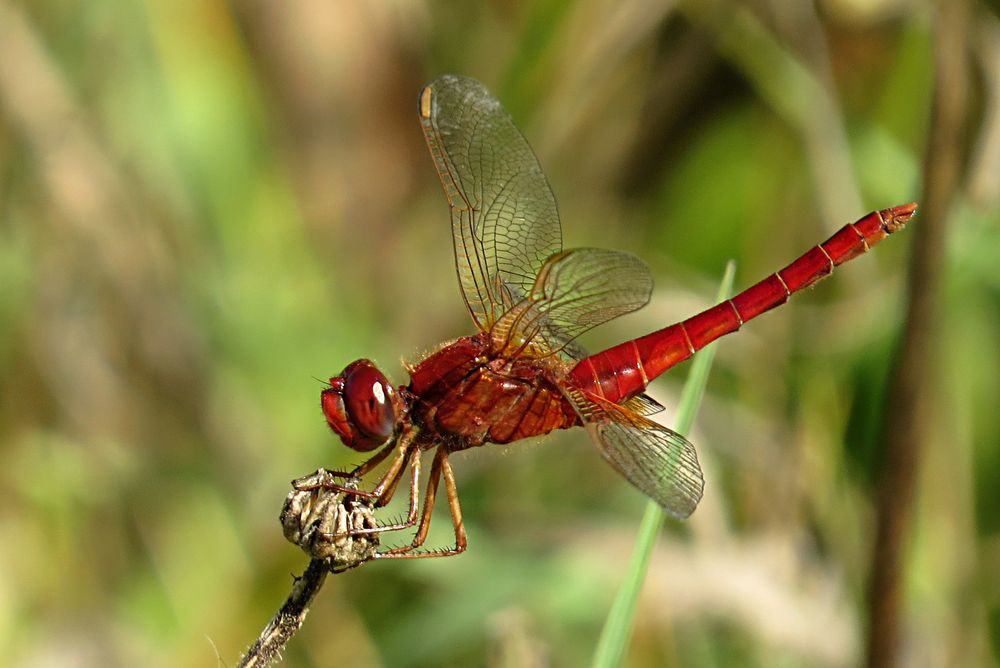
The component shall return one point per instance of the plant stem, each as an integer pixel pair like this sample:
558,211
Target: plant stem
288,619
618,625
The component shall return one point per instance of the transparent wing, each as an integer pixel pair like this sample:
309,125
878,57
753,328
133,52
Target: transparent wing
574,291
661,463
643,404
503,214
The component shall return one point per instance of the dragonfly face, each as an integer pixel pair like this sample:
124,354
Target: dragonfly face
359,406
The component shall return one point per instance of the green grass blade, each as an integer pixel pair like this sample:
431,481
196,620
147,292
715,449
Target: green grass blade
618,625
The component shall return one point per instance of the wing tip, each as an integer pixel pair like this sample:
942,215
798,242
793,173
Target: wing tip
685,510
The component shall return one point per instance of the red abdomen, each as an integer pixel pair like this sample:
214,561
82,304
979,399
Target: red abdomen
467,399
626,369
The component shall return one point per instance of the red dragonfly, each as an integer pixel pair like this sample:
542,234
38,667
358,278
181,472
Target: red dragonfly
523,374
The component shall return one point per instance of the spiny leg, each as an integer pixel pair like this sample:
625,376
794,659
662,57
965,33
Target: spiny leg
425,519
440,468
373,461
461,540
383,491
411,515
308,483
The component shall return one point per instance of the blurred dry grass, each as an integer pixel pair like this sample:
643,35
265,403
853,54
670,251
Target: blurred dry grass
205,205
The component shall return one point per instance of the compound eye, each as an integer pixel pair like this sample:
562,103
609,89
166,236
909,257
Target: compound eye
368,397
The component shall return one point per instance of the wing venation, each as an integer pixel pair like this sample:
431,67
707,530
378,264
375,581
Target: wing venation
504,217
658,461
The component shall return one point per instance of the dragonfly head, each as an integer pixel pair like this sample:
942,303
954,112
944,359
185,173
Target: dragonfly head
359,406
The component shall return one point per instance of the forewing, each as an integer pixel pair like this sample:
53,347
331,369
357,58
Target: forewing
661,463
575,290
503,214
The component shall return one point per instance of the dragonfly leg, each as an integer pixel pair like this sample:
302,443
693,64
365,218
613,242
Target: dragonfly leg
461,540
440,469
320,483
386,487
373,461
322,478
411,515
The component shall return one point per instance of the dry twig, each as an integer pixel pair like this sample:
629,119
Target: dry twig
321,522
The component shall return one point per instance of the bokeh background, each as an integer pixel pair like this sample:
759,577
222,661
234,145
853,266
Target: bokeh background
207,207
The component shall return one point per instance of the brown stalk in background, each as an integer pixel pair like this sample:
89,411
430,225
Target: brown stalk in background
904,429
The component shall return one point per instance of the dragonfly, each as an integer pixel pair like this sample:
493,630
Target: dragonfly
523,374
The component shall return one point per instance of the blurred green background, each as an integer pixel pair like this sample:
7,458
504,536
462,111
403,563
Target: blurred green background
205,206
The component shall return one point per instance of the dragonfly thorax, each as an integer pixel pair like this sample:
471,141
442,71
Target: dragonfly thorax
359,406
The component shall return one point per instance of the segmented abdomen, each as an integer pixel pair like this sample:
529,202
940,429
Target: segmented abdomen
624,370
